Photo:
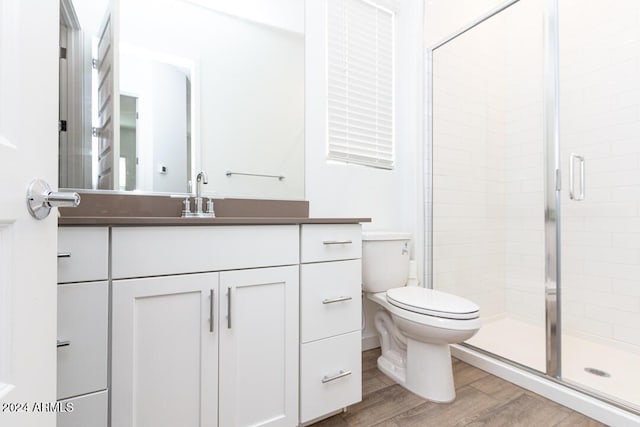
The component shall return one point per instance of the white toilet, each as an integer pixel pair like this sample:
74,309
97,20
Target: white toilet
417,324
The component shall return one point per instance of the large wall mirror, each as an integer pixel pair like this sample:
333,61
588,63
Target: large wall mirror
153,92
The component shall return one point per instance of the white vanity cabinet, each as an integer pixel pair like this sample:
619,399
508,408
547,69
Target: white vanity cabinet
165,351
83,302
219,325
259,347
331,316
205,326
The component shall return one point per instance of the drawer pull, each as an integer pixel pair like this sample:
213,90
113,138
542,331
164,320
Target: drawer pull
212,296
64,254
339,375
334,300
62,343
337,242
229,308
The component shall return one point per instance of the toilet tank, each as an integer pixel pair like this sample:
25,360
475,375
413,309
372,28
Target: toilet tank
385,260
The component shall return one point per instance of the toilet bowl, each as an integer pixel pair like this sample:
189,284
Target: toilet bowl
416,325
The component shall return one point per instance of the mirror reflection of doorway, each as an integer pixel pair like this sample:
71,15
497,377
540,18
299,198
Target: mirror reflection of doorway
128,156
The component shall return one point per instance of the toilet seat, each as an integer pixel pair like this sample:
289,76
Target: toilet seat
423,319
432,303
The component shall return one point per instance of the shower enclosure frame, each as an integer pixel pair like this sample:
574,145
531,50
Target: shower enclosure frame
552,197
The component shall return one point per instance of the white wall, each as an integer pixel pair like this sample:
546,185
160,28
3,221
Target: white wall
391,198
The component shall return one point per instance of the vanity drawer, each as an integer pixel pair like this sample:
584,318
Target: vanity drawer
330,299
330,375
82,254
155,251
82,338
330,242
88,411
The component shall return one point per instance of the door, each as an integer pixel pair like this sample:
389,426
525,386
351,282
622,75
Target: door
488,178
164,357
259,347
63,136
128,142
599,138
29,32
108,103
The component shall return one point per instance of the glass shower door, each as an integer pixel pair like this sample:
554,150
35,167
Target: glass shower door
599,80
488,168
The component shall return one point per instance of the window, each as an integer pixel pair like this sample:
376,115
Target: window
360,68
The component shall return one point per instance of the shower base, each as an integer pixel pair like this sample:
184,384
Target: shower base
524,343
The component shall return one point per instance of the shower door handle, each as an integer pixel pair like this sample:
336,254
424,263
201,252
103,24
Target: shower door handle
572,190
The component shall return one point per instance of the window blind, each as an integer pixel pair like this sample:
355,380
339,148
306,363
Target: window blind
360,101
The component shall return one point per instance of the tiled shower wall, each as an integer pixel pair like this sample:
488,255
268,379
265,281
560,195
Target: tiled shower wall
488,198
489,165
524,161
468,169
600,119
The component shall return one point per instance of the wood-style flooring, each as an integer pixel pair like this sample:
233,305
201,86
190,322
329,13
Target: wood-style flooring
481,400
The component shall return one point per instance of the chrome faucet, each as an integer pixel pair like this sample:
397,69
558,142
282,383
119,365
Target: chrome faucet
201,178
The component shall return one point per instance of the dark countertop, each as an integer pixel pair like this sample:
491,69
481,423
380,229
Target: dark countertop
115,209
178,221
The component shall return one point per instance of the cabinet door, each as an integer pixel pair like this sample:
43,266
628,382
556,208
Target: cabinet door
164,351
259,347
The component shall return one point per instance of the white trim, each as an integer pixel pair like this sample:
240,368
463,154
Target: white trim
6,313
68,15
573,399
76,169
371,342
474,23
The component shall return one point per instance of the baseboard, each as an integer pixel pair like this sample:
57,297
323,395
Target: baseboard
369,343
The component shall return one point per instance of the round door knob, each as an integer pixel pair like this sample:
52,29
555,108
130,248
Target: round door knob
40,199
